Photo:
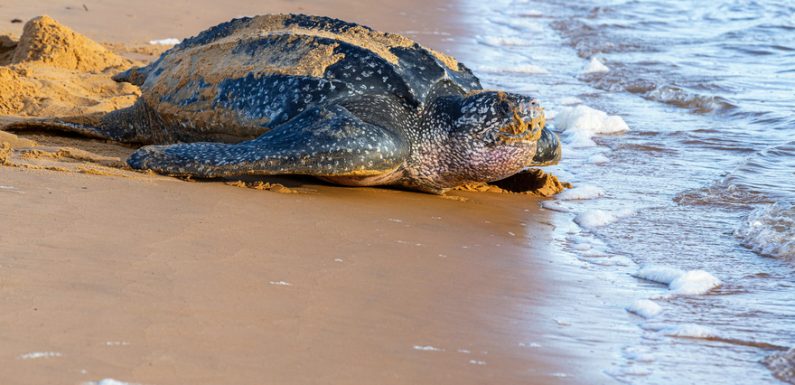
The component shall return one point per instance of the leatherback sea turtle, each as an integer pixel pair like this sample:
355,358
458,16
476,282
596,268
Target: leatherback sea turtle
297,94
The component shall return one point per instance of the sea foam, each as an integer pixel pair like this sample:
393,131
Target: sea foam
570,101
585,191
595,66
580,123
770,231
693,282
639,354
504,41
645,308
597,218
689,331
659,274
598,159
531,13
554,206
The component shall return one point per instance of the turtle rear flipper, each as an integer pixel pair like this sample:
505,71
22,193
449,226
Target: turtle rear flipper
325,142
135,75
87,126
134,124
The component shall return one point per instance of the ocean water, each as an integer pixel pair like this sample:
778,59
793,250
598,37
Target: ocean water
679,136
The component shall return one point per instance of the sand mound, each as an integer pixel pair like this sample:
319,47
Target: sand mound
54,71
44,40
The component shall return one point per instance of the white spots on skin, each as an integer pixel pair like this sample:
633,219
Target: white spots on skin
432,154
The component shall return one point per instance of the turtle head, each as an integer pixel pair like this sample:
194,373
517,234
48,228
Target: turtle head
497,134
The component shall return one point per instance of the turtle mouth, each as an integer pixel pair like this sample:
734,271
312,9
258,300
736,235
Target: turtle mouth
527,125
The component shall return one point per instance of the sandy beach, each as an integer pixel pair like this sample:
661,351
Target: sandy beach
168,282
107,273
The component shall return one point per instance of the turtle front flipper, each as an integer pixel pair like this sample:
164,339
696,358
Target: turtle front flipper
324,142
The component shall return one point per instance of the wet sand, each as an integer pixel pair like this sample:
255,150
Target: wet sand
154,280
168,282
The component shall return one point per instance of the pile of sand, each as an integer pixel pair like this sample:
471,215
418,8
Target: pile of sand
53,71
45,41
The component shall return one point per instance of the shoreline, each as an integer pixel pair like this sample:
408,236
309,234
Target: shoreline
159,281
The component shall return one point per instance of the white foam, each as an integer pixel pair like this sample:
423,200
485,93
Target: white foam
570,101
167,41
617,260
629,371
582,246
280,283
108,381
504,41
554,206
580,123
693,282
689,331
770,231
598,159
427,348
523,25
531,13
35,355
595,66
645,308
477,362
585,191
515,69
585,242
659,273
638,354
597,218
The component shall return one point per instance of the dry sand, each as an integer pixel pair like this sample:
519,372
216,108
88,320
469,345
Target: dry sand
147,279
